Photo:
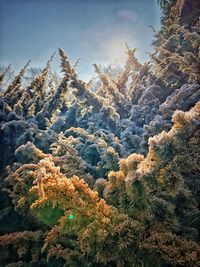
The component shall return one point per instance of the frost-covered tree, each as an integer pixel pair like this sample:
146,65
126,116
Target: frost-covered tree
105,176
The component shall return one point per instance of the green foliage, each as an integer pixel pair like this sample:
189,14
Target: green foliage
48,215
106,176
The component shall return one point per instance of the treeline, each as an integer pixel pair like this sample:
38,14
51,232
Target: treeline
106,177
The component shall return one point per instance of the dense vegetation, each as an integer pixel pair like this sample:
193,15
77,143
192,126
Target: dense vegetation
106,177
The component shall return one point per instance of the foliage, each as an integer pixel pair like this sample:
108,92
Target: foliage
106,176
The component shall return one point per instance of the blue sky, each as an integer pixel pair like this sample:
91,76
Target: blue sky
94,30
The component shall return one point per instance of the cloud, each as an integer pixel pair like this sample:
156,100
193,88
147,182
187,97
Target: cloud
126,14
105,41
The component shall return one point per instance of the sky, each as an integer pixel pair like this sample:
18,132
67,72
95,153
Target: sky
93,30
